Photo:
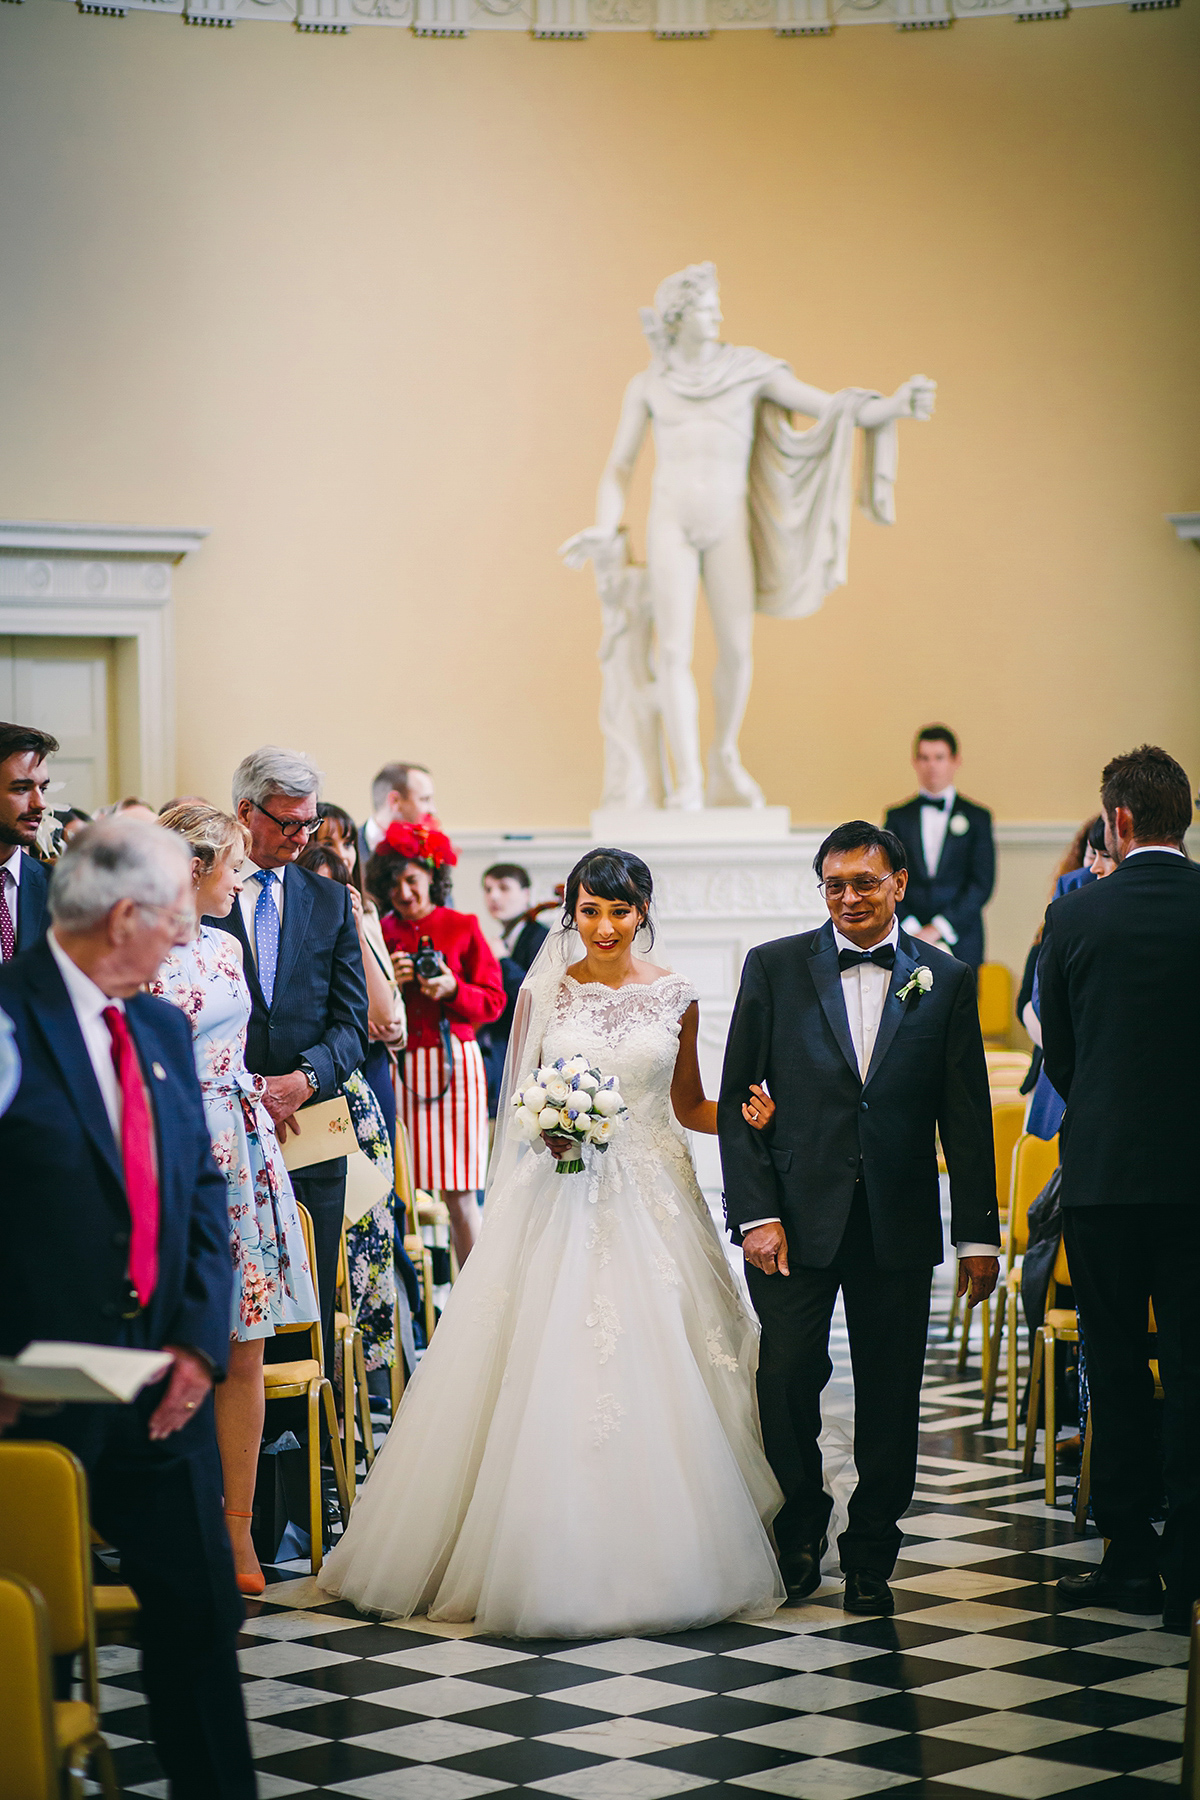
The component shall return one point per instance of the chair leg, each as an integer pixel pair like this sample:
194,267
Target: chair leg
102,1769
952,1316
316,1507
1085,1480
1013,1374
964,1342
427,1288
1051,1422
348,1405
397,1369
1035,1406
985,1341
993,1370
335,1452
364,1402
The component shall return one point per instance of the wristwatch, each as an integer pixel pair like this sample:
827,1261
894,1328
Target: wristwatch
306,1069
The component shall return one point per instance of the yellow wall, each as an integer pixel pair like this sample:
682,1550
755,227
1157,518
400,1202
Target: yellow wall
365,306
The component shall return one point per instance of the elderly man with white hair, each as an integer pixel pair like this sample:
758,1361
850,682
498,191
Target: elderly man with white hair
113,1230
303,962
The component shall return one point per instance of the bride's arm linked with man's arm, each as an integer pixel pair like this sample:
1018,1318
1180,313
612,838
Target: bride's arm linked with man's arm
690,1107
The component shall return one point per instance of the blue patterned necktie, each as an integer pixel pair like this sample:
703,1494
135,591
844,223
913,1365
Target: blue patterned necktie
266,932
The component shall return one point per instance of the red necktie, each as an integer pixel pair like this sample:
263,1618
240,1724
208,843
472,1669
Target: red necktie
137,1154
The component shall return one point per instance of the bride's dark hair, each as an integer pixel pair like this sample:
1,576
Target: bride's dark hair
611,875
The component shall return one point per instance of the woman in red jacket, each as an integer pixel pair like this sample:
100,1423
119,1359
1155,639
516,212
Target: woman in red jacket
444,1092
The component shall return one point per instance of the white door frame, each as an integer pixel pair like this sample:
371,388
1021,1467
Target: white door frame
62,579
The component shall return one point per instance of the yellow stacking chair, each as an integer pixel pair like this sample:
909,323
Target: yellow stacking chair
1034,1161
1059,1326
46,1540
29,1764
356,1398
305,1379
1008,1119
994,990
418,1250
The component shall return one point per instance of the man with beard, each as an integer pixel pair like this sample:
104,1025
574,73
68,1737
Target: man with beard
24,777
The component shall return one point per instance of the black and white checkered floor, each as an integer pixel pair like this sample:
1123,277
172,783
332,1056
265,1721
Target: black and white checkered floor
976,1687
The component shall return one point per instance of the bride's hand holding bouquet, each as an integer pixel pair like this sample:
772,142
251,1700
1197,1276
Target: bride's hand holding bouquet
568,1104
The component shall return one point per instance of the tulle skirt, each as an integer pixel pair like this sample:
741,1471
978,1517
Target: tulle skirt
578,1453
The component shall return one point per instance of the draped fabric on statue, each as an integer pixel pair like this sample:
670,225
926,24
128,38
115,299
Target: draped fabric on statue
801,492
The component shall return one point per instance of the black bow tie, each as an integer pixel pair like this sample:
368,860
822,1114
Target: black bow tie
939,805
884,957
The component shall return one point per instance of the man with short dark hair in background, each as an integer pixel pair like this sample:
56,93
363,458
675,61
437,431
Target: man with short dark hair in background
951,853
508,896
24,777
401,790
1119,975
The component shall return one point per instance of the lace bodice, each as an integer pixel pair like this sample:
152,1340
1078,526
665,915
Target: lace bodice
630,1032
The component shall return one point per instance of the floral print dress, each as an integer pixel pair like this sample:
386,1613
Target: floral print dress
272,1281
369,1241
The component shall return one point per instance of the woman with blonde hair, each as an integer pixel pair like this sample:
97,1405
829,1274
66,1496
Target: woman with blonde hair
273,1283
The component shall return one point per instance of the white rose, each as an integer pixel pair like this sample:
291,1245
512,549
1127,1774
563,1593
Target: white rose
556,1090
588,1083
534,1097
923,978
546,1074
576,1066
600,1130
607,1103
959,824
549,1119
579,1102
525,1123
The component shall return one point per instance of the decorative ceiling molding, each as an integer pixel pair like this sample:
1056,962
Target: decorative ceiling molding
558,19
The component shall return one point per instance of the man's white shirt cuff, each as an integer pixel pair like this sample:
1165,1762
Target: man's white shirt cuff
755,1223
946,930
977,1250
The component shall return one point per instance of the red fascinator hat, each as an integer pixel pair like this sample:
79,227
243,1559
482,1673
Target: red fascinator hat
421,843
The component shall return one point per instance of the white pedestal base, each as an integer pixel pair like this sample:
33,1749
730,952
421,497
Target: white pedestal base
717,825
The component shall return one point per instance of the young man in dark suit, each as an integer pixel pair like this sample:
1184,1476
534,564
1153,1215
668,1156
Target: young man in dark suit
308,992
114,1229
951,854
24,777
1119,975
508,896
870,1045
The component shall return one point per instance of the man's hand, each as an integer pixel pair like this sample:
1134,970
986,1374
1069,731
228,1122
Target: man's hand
189,1386
928,934
285,1095
978,1273
766,1247
442,987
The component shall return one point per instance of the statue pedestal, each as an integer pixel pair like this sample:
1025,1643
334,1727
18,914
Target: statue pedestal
718,892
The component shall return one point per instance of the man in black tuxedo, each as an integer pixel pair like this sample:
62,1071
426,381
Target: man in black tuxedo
869,1044
303,962
114,1230
508,896
951,854
24,776
1119,975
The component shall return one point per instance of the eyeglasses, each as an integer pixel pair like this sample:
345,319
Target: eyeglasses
863,885
291,827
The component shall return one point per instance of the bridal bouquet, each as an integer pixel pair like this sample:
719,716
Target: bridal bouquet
570,1099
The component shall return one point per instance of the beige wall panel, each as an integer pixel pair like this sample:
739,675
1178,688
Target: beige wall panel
366,306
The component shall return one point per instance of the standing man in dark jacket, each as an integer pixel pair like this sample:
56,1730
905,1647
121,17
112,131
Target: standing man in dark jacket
870,1045
508,896
308,1023
114,1229
951,855
24,777
1119,975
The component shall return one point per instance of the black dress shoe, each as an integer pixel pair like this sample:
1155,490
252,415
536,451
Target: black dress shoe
802,1570
1122,1593
866,1593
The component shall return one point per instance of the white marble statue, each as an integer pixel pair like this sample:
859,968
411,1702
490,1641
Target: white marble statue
743,501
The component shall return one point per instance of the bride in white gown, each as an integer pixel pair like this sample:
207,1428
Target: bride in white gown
578,1453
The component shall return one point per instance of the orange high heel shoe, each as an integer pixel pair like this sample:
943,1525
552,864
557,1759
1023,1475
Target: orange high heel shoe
250,1585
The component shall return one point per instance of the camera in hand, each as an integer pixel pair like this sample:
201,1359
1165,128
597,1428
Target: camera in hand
427,962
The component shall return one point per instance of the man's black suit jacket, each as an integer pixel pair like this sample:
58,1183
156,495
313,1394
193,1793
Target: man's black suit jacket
318,1010
966,872
1119,978
32,916
927,1073
64,1218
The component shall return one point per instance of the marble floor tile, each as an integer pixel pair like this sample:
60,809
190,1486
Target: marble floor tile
625,1694
1168,1685
969,1615
283,1626
1165,1725
984,1650
417,1783
994,1688
626,1656
269,1739
822,1779
816,1734
1009,1731
1161,1647
954,1553
431,1740
811,1693
440,1697
1028,1777
1167,1772
945,1525
287,1659
805,1652
960,1584
624,1738
117,1659
452,1656
619,1781
263,1699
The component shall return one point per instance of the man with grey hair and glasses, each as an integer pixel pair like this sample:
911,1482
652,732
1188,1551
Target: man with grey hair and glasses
303,962
114,1230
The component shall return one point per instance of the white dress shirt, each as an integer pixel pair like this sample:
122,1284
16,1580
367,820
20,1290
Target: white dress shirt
864,990
10,883
89,1003
1141,849
248,900
934,826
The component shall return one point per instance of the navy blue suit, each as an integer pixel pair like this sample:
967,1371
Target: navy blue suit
318,1012
962,883
64,1247
850,1168
32,917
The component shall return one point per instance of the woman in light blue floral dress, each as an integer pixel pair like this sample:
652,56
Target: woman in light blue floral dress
272,1281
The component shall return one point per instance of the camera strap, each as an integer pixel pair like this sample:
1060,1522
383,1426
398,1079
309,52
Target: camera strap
448,1061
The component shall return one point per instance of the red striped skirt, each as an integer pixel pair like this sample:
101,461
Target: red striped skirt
449,1137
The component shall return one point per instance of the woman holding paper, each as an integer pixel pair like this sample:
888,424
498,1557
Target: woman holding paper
272,1281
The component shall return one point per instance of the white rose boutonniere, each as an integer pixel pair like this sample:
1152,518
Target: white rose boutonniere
959,824
919,982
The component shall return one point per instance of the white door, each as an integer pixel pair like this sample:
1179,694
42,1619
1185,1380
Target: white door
65,686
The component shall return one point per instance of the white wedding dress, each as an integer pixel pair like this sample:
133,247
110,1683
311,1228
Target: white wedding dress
578,1453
